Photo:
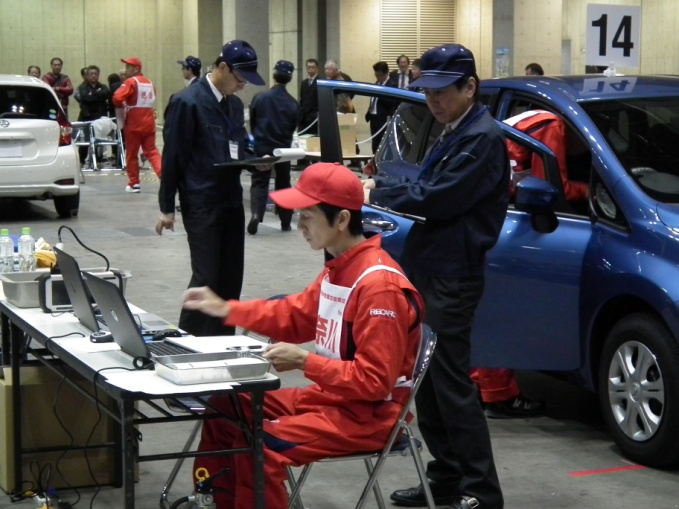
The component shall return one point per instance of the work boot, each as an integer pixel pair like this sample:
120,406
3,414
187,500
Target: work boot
252,225
414,497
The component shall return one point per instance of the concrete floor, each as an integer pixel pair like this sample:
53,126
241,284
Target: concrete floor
536,459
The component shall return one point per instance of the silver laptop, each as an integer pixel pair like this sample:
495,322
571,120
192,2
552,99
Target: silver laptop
82,301
119,320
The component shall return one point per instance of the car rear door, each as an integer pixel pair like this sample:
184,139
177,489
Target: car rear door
29,131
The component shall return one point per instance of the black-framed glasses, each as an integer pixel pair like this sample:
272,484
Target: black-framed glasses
239,79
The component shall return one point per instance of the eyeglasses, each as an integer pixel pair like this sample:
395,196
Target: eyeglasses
240,80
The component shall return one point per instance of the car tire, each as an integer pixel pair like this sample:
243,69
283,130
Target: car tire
67,206
639,389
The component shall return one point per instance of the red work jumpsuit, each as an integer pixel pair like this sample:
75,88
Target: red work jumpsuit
548,128
137,96
360,380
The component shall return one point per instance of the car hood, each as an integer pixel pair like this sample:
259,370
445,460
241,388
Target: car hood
668,214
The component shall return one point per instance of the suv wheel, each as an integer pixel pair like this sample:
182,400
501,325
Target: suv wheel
67,206
639,389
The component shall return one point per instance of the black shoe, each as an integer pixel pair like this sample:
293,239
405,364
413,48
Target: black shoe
286,227
465,503
414,497
252,225
515,408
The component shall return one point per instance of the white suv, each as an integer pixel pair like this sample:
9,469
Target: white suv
37,157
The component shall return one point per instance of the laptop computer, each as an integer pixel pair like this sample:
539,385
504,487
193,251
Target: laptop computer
119,320
82,301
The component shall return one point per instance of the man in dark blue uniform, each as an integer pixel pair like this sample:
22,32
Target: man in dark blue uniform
191,69
205,125
273,118
463,192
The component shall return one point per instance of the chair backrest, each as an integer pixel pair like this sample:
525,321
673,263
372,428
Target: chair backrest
424,355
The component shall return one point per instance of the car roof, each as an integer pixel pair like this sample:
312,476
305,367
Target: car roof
18,79
590,87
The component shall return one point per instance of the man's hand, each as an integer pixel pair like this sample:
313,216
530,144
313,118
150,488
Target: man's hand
368,184
165,221
263,167
206,301
286,357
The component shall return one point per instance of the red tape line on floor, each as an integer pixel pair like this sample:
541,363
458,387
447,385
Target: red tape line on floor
612,470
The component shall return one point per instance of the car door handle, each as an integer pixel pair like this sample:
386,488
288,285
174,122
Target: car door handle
381,224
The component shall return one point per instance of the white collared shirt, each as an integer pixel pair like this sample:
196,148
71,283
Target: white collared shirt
218,95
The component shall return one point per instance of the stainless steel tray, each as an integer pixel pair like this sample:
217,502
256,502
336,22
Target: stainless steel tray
201,368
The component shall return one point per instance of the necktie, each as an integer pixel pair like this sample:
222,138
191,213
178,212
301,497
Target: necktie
224,105
402,82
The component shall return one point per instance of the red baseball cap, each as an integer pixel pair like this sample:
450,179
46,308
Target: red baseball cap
134,61
329,183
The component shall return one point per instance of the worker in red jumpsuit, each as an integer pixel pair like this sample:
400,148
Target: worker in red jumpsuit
137,97
363,315
548,128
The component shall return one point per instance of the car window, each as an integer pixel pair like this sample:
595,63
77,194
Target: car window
30,102
644,135
412,132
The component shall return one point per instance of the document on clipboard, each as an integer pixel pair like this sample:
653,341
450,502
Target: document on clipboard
280,155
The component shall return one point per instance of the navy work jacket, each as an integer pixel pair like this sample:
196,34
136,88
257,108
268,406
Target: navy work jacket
273,119
196,135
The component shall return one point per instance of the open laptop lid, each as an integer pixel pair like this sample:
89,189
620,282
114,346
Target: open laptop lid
118,317
77,292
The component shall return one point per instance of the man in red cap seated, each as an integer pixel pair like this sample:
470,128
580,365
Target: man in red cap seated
137,96
363,315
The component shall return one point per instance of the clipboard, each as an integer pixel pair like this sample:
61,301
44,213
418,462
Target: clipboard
248,162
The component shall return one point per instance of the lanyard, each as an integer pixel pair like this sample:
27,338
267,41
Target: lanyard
437,154
231,125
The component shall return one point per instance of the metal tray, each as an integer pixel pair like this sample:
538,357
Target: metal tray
201,368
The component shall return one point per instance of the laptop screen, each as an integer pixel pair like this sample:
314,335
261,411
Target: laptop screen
77,292
117,315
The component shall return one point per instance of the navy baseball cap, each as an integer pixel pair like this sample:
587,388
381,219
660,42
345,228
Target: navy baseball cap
283,66
191,62
442,66
239,55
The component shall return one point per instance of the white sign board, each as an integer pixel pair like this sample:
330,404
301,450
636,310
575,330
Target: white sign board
603,86
613,35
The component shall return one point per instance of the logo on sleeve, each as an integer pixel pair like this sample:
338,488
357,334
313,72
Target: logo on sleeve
383,312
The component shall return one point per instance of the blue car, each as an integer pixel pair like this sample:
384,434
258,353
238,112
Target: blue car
589,288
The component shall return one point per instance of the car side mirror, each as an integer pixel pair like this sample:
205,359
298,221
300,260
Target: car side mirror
537,197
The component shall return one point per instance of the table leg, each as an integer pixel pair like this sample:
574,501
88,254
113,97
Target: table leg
16,336
129,445
258,447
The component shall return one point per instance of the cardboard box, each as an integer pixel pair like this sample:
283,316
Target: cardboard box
347,128
41,429
309,143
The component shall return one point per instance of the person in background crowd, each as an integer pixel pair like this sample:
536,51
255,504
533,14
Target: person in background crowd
205,126
83,78
60,83
379,110
363,359
273,118
137,96
344,103
415,69
95,100
34,70
402,76
191,69
534,69
463,192
308,100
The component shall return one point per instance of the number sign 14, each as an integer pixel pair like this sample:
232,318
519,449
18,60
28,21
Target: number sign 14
613,35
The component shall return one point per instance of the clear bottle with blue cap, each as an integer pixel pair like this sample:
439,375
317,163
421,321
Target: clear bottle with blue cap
6,251
26,251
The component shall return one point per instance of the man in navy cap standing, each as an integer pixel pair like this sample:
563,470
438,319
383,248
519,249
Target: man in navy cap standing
205,125
462,191
273,119
191,69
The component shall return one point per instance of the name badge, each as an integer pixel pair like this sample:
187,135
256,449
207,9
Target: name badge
233,150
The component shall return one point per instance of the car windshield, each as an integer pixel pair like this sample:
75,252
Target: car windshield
644,134
27,102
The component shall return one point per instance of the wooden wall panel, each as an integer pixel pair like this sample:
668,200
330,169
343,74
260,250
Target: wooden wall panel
475,31
538,33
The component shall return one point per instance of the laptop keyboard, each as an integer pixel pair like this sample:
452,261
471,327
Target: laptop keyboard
161,348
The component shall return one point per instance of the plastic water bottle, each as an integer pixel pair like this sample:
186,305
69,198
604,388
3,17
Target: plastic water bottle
26,251
6,251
